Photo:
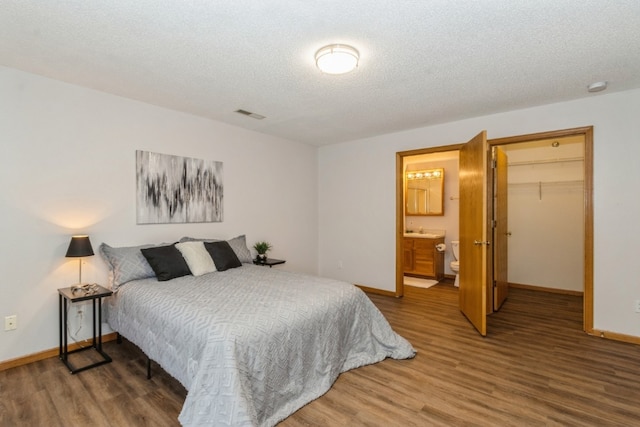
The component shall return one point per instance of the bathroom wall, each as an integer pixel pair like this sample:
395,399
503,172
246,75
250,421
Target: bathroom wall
450,220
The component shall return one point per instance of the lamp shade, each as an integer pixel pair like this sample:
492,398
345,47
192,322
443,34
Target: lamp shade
79,246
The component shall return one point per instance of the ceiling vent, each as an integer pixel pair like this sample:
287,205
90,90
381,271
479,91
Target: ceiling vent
250,114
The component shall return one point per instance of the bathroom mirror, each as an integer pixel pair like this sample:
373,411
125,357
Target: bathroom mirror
424,192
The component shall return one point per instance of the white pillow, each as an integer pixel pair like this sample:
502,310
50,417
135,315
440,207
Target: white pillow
197,257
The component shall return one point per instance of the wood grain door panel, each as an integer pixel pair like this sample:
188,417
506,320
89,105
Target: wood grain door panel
501,229
473,232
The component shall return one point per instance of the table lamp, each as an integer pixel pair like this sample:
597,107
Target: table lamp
79,247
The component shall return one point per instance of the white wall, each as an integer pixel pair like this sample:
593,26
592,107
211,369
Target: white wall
67,165
546,247
357,196
546,208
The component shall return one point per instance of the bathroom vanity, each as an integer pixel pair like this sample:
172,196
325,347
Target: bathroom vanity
420,256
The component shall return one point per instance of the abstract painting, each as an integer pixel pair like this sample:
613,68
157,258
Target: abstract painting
174,189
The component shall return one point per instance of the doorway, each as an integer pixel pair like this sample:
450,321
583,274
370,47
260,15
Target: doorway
587,134
445,158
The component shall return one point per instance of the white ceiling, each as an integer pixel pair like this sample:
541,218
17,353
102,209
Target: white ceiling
422,61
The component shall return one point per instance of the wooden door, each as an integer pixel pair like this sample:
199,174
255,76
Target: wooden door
500,229
473,232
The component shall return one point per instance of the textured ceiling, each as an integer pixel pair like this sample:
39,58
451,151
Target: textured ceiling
422,62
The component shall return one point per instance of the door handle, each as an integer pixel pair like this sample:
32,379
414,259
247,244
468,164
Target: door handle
478,243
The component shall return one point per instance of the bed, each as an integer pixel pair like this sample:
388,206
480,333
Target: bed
250,344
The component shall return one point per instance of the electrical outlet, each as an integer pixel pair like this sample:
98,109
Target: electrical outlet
637,306
10,323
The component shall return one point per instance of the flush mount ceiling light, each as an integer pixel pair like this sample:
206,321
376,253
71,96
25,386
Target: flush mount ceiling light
337,59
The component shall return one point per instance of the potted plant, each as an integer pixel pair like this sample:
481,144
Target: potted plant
262,248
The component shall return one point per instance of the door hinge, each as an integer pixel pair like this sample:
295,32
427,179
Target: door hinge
494,163
494,223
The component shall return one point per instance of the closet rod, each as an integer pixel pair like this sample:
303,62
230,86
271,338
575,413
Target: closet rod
540,184
580,182
541,162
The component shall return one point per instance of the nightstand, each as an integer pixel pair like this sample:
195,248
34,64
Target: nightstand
68,296
269,261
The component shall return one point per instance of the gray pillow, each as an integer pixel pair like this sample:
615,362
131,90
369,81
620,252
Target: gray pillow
238,244
194,239
126,264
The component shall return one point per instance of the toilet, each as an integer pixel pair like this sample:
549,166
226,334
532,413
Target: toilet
455,264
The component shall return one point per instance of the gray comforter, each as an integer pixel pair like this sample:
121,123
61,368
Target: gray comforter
253,344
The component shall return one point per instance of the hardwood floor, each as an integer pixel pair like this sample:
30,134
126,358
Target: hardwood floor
536,367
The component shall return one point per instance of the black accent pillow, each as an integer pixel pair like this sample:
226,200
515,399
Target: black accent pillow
223,255
166,261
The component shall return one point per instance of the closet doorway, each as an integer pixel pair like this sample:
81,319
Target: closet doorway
584,134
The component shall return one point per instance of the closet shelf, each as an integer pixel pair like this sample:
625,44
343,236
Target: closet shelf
540,184
568,182
541,162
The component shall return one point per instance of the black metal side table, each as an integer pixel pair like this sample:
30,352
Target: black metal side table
269,261
69,295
